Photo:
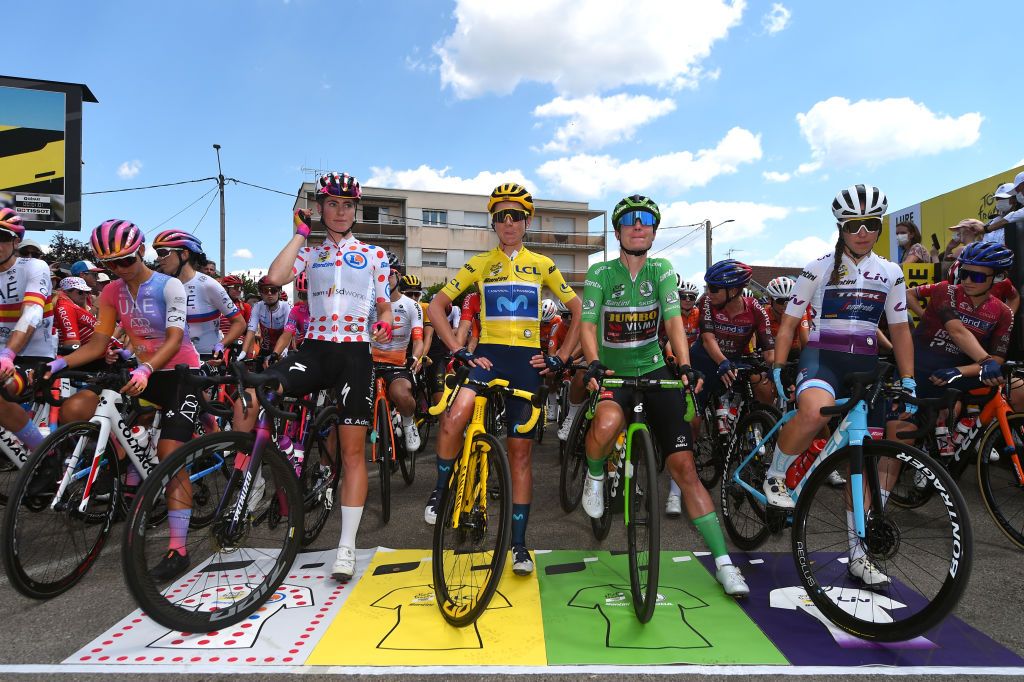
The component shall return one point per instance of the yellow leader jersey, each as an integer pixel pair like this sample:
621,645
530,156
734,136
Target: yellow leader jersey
510,294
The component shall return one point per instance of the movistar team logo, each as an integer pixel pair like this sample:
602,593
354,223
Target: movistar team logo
510,301
512,305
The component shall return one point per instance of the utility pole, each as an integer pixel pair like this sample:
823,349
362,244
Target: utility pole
223,239
707,242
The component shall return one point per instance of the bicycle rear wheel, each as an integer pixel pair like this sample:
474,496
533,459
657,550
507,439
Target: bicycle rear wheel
246,564
319,480
468,560
1001,489
925,552
743,514
406,461
643,532
707,455
573,470
48,545
382,450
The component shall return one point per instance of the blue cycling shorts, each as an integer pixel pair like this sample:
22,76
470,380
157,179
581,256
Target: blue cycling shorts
511,363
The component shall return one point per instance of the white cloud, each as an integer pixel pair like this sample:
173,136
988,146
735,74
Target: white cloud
438,180
242,253
581,47
776,176
872,132
750,220
129,169
797,253
777,19
595,122
589,176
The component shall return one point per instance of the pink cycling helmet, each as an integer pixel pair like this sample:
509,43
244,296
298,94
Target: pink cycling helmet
116,239
11,222
339,185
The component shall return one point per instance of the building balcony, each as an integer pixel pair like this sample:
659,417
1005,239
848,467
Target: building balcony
392,230
575,241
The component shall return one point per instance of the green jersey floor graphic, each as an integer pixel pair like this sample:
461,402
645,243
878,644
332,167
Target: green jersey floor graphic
575,612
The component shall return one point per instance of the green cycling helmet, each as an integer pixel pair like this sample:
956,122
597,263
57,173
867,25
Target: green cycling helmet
635,203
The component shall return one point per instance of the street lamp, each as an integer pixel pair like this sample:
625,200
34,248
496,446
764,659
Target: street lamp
708,227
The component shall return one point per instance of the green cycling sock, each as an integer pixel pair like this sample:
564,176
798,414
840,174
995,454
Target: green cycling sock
711,531
596,467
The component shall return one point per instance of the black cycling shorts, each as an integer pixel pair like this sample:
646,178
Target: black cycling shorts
664,410
347,368
180,406
392,372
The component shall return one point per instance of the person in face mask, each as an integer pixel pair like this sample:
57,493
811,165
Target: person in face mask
965,232
1006,203
908,244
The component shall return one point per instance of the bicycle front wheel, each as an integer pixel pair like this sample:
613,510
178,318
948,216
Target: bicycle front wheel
743,513
707,455
383,447
320,467
1001,488
245,552
924,554
50,544
573,470
643,532
469,554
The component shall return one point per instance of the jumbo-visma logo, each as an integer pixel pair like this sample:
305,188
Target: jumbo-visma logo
511,301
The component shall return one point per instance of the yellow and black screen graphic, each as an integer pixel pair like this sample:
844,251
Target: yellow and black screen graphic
33,152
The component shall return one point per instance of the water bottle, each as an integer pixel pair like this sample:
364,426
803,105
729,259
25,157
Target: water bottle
963,427
799,467
722,414
943,440
734,409
298,454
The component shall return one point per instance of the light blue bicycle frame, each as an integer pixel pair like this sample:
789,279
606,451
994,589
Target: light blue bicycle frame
851,432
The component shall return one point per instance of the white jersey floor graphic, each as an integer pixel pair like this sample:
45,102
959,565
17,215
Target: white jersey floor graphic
282,633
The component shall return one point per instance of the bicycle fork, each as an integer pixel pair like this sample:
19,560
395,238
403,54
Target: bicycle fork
463,482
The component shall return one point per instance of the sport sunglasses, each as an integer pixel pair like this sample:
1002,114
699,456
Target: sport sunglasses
971,276
504,214
125,262
855,225
630,218
164,253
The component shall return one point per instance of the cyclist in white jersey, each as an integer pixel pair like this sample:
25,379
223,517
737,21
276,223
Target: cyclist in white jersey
389,357
346,279
848,292
207,301
26,321
268,319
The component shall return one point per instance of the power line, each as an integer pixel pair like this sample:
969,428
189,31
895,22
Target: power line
295,195
205,212
135,189
201,197
691,232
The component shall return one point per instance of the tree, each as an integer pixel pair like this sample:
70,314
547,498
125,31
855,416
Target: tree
64,249
249,287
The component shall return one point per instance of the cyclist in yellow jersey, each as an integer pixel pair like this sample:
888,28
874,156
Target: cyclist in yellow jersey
510,280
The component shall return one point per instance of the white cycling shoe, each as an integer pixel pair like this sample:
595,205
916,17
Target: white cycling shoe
862,570
835,479
732,581
593,497
777,494
673,506
412,436
345,565
563,430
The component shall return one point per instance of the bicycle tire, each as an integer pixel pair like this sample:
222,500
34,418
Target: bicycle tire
707,455
319,481
912,491
743,515
382,451
1000,490
643,531
938,576
235,563
542,420
406,461
562,402
464,589
48,551
602,526
572,474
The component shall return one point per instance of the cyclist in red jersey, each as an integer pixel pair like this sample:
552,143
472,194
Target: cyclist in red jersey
780,290
74,322
468,333
1003,290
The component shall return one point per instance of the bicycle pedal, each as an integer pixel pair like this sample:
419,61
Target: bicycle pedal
776,519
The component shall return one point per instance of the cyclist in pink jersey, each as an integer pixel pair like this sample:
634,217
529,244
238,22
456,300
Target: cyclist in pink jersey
151,308
345,279
298,321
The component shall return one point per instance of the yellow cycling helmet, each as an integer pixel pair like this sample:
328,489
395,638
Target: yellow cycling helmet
411,283
511,191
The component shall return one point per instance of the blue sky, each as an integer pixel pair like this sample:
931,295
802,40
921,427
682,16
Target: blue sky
755,111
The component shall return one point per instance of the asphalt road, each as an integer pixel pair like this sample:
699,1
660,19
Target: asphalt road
47,632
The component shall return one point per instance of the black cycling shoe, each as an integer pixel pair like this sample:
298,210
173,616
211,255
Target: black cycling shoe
171,566
44,481
522,563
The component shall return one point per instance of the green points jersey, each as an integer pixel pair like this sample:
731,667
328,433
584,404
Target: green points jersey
628,313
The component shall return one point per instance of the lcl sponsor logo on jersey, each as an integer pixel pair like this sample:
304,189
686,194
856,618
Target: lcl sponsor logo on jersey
527,272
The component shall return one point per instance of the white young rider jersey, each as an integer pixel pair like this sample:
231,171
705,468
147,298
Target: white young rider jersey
207,301
407,324
845,315
346,280
25,283
268,323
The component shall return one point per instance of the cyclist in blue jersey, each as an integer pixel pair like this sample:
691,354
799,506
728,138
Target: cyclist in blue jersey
848,291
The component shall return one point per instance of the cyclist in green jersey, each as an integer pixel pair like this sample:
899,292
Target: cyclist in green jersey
624,301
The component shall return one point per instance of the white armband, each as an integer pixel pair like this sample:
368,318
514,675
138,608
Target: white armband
31,317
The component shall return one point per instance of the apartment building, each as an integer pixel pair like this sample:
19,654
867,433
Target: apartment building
434,233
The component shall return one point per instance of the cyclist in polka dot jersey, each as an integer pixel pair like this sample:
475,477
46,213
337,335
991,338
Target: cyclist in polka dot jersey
345,278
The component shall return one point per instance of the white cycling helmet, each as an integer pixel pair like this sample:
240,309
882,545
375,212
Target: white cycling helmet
689,288
679,281
547,310
781,287
859,201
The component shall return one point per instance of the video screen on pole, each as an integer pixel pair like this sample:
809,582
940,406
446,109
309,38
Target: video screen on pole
32,153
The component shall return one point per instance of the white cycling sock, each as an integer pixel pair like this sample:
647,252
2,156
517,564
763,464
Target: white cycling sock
780,463
856,548
724,560
350,518
408,421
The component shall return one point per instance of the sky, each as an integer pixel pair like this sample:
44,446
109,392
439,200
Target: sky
755,112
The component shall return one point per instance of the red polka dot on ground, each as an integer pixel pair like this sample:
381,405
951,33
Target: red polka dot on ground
229,642
268,659
232,659
103,658
85,658
287,659
140,658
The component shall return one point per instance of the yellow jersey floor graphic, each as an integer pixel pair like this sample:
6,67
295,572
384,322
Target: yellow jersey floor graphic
575,612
